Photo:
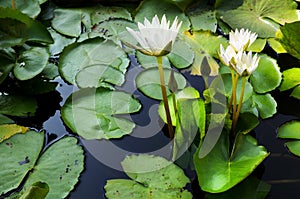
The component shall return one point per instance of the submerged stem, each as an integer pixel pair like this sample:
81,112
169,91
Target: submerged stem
13,6
165,97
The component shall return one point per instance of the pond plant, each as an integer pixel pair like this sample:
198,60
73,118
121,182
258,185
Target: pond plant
154,46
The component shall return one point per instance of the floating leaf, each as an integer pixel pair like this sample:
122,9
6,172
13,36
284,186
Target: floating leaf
291,79
31,63
77,56
148,9
152,177
5,120
258,45
18,156
220,170
69,21
261,17
265,104
29,7
296,92
38,190
246,122
276,45
35,30
288,37
291,130
93,113
104,13
7,60
50,71
8,130
147,61
186,93
267,76
60,42
181,55
17,105
96,75
203,17
205,46
66,158
148,81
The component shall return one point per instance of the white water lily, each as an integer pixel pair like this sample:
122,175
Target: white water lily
241,39
227,55
245,63
155,38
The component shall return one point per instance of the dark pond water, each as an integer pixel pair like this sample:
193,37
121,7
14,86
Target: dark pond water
280,169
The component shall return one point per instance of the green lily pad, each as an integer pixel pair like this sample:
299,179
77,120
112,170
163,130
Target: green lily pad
181,55
31,63
186,93
50,71
247,122
188,124
258,45
96,75
60,42
205,46
93,113
265,104
203,17
220,170
250,188
147,61
261,17
148,82
148,9
288,37
291,79
69,21
18,156
17,105
152,177
296,92
29,7
276,45
67,158
267,76
5,120
78,56
38,190
291,130
36,32
104,13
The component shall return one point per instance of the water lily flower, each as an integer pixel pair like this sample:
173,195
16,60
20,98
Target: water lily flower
227,55
245,63
155,38
240,40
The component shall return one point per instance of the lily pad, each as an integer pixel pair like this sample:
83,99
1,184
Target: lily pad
67,159
148,82
205,46
147,61
8,130
104,13
60,42
18,156
35,30
31,63
38,190
265,104
276,45
7,60
93,113
181,55
29,7
96,75
291,130
221,169
152,177
78,56
17,105
148,9
296,92
291,79
261,17
267,76
288,37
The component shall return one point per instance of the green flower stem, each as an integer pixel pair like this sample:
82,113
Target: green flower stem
165,97
13,6
232,81
174,103
235,119
234,90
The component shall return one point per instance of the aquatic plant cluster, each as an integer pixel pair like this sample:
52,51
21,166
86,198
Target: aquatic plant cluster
93,47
